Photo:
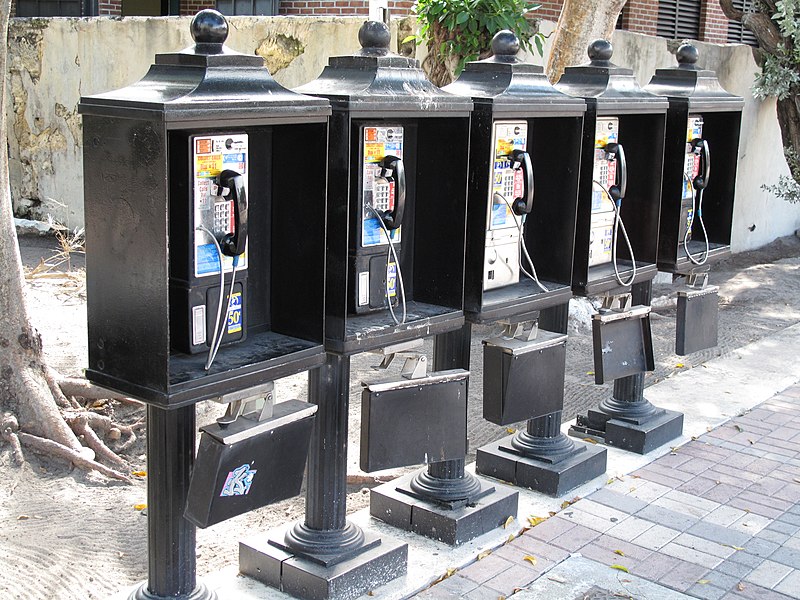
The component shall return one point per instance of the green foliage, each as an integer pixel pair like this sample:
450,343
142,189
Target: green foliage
463,29
780,76
787,187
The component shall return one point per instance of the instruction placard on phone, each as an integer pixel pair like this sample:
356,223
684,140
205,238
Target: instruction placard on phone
212,154
378,191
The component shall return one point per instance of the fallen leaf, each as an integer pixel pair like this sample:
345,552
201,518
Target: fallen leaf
610,481
590,372
552,513
557,578
620,552
510,538
679,365
674,449
484,554
139,506
622,568
534,521
139,473
511,430
370,593
530,559
636,476
738,428
508,522
704,581
740,586
734,547
23,518
694,438
590,440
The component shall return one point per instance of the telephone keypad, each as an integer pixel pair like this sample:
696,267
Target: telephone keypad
222,217
381,195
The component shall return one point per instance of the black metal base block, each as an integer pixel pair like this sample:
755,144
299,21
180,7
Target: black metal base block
641,437
544,476
393,503
383,560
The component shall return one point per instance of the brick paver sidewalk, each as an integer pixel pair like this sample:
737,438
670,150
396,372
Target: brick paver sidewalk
717,518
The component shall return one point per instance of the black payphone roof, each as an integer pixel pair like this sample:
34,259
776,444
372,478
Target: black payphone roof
509,84
608,87
207,82
687,81
374,80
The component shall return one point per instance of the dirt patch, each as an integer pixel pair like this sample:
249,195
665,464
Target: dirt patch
70,535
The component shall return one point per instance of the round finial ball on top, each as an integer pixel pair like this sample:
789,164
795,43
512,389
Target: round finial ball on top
687,54
374,34
505,43
209,27
600,50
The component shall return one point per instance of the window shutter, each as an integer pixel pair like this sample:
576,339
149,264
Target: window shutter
678,19
737,34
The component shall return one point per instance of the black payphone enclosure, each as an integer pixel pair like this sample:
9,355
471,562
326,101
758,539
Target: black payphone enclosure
249,464
408,422
139,218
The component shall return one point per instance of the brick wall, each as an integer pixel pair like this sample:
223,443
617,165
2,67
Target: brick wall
640,16
191,7
549,10
109,8
713,23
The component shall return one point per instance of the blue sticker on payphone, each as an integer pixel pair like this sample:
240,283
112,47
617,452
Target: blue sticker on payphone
235,313
238,481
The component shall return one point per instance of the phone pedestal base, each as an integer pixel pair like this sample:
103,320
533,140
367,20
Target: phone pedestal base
201,592
548,465
452,521
628,421
364,563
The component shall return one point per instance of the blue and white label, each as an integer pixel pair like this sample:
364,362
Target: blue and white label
391,280
234,324
238,481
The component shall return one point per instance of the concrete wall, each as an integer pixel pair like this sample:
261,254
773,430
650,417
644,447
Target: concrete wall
55,61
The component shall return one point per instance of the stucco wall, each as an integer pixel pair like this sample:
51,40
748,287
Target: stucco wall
52,62
55,61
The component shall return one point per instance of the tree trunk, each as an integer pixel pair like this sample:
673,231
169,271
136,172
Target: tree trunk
23,388
579,24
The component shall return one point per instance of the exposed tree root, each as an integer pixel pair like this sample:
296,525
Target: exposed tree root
80,425
8,429
51,377
52,448
82,388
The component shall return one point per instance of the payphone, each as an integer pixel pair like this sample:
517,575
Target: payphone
211,291
609,185
510,201
697,170
382,181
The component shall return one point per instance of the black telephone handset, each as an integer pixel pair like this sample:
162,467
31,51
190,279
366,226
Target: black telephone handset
522,160
619,189
392,169
234,244
700,146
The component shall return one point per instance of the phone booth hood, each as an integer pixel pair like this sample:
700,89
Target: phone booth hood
202,81
376,81
612,89
699,87
511,85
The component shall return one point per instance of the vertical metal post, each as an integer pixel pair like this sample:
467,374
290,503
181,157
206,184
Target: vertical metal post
170,537
325,530
543,438
447,480
627,400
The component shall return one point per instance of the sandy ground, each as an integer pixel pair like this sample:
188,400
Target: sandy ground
71,535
